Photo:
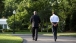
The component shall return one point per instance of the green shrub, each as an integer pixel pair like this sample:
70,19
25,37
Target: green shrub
8,30
30,27
61,26
0,26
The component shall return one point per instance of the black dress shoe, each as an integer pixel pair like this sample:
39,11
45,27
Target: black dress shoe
36,40
33,39
55,40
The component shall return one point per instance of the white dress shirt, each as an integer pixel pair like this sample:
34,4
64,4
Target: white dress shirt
54,18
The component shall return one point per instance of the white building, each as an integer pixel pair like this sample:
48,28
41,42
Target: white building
4,23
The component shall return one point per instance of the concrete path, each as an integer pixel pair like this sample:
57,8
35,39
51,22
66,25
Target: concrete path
46,39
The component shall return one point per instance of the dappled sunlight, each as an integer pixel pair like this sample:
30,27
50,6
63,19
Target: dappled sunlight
6,38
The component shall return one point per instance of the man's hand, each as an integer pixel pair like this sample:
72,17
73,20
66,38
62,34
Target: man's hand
55,24
39,24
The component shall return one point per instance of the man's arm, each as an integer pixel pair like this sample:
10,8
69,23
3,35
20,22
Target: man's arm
51,20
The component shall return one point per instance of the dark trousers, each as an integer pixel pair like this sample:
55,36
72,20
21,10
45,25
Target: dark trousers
54,30
35,33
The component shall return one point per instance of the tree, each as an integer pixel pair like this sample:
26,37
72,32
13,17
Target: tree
20,17
65,9
25,10
9,6
73,18
1,8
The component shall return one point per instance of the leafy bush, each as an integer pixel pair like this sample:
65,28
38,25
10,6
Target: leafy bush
30,27
0,26
61,26
8,30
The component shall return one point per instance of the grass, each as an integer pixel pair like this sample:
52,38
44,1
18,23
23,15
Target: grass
67,34
63,34
24,33
6,38
45,33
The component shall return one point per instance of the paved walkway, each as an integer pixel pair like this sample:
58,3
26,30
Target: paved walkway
46,39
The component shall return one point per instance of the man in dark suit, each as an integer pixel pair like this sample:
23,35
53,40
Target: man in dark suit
35,20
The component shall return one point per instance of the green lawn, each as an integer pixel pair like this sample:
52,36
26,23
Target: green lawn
24,32
45,33
62,34
6,38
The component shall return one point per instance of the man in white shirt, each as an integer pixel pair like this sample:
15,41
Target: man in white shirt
54,19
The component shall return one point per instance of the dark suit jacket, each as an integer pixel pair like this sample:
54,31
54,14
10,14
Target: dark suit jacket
35,20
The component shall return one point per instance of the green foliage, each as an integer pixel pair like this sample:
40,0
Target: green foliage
61,26
73,21
20,20
0,26
1,8
71,15
65,9
30,27
25,10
